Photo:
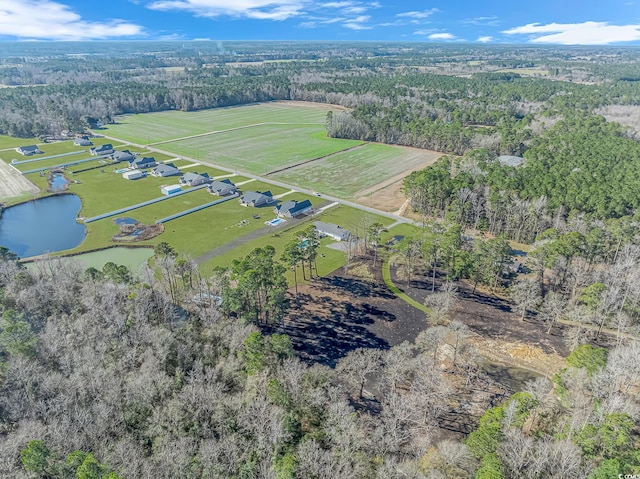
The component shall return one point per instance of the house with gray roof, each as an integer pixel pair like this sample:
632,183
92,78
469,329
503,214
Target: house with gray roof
102,150
84,141
293,208
195,179
509,160
222,188
145,162
119,156
336,232
28,150
256,198
165,170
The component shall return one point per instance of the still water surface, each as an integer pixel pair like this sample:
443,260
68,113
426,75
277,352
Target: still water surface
42,226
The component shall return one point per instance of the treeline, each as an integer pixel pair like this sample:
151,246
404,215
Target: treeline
460,107
580,168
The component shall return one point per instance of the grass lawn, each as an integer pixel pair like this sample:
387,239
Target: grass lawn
350,172
261,149
168,125
332,259
12,142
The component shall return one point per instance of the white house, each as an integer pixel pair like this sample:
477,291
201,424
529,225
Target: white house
132,175
336,232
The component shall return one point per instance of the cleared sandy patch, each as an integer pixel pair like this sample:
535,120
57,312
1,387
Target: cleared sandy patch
13,183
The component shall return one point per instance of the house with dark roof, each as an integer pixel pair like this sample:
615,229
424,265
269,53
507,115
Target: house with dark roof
84,141
222,188
195,179
336,232
102,150
165,170
256,198
119,156
293,208
28,150
144,162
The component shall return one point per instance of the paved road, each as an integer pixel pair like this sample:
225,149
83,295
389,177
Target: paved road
352,204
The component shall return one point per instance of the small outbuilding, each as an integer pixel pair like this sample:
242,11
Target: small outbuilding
142,162
256,198
133,175
170,189
335,232
102,150
28,150
195,179
222,188
293,208
165,170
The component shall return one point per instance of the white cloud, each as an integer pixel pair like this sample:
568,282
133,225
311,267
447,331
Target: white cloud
256,9
48,20
336,4
357,23
485,39
586,33
441,36
422,14
490,21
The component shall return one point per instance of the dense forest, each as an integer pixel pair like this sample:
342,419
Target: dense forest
104,376
166,373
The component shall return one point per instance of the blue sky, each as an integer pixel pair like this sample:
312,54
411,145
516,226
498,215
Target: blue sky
568,22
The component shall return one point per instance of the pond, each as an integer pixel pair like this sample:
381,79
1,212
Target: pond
58,182
132,258
42,226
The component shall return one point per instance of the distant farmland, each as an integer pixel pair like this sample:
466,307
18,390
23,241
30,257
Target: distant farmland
349,174
260,149
171,125
284,141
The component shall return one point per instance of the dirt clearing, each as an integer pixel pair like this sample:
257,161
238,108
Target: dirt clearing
13,183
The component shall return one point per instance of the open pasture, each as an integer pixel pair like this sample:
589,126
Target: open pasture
170,125
261,149
328,258
352,173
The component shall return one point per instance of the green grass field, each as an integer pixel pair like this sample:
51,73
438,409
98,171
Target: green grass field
345,216
169,125
260,149
349,173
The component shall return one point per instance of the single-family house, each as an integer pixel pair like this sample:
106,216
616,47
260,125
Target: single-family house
336,232
133,175
222,188
195,179
144,162
293,208
28,150
170,189
120,156
102,150
256,198
165,170
509,160
84,141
